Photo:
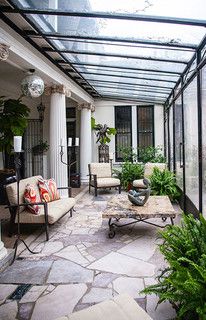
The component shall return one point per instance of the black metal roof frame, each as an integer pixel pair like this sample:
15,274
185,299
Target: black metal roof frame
90,85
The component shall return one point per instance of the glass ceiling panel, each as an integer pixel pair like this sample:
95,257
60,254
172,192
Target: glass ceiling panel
134,93
134,88
128,80
132,97
91,27
125,73
130,50
125,62
171,8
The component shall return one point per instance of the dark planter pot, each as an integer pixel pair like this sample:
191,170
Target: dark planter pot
4,179
129,187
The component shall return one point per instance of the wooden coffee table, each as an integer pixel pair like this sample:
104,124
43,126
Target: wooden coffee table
120,207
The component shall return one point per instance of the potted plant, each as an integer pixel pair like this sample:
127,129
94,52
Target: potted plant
40,148
129,172
13,122
183,282
103,133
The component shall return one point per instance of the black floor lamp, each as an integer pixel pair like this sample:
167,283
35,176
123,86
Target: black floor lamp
69,164
17,163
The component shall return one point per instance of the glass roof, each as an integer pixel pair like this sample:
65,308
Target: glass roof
115,48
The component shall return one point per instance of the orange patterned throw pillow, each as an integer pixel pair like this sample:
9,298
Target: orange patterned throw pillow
30,197
48,190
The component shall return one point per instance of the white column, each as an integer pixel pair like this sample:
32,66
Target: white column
3,251
85,139
58,170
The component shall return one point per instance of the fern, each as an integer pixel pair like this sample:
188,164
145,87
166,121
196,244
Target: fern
183,283
163,183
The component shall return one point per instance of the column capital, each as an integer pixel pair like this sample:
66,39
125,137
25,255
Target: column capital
4,52
86,105
57,88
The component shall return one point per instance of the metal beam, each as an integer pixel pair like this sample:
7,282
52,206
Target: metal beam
110,39
127,77
103,15
89,53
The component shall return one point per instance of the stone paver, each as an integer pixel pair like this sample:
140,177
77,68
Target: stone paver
33,294
58,303
69,272
121,264
25,311
6,290
132,286
104,279
80,266
96,295
142,248
33,272
8,311
73,254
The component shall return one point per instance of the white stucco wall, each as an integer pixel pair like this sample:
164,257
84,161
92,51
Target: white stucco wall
104,114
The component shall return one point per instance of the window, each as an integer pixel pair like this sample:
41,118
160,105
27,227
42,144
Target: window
145,126
123,125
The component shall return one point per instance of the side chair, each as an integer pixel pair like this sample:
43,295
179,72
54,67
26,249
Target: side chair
100,176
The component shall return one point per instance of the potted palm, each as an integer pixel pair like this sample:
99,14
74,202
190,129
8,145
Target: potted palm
13,122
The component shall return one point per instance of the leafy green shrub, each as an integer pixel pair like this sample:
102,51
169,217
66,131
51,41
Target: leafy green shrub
151,154
129,172
163,183
183,283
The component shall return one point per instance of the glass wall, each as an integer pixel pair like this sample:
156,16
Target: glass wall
204,136
179,142
191,142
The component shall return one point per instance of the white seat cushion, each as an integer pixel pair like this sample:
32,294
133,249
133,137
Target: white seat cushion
106,182
56,209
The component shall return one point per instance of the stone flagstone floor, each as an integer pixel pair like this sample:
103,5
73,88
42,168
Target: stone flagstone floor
80,266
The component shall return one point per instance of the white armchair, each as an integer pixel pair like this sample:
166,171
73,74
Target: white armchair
100,176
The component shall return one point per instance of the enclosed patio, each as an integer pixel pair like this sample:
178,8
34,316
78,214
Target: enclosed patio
135,68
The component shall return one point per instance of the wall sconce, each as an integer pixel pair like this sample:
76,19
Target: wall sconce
32,86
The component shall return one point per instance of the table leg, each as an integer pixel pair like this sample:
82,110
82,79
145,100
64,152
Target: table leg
111,233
